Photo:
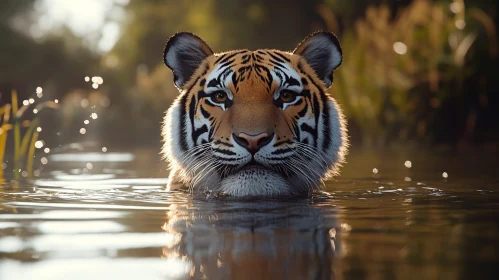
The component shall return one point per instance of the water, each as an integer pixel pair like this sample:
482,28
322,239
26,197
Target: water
117,222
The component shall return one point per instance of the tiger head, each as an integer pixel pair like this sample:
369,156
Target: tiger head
253,122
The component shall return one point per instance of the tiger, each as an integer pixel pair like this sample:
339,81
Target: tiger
253,123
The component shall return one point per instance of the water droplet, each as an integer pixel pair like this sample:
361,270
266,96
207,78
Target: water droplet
455,7
85,121
400,48
4,165
31,101
44,160
25,102
58,133
39,90
35,111
408,164
104,149
24,174
39,95
84,103
37,172
445,175
98,80
89,165
56,101
460,24
46,150
83,130
95,85
39,129
93,116
39,144
407,179
375,170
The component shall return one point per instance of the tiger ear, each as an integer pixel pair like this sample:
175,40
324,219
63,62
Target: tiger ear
322,51
183,54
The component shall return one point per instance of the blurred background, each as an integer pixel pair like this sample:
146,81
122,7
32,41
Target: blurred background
420,73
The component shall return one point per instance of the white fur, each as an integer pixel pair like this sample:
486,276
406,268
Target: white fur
255,182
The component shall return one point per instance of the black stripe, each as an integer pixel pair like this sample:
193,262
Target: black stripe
275,57
221,57
198,132
283,142
317,113
307,128
224,152
325,119
192,112
228,56
182,124
218,142
213,83
302,113
283,57
211,132
205,113
282,151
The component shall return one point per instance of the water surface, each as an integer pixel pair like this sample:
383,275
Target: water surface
435,217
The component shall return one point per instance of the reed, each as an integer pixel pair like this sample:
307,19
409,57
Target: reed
11,118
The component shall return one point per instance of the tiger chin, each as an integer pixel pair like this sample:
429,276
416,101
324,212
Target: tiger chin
253,123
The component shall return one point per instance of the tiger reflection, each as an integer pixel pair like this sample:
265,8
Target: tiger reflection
254,240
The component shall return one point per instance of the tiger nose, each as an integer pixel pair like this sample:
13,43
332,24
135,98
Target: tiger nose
253,143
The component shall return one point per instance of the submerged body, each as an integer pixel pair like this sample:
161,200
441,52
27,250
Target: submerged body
253,122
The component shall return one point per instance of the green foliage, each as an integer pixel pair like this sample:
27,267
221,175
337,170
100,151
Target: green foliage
397,74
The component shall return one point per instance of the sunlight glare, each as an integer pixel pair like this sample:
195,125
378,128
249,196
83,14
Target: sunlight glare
83,17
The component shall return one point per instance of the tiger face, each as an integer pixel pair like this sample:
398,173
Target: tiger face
253,122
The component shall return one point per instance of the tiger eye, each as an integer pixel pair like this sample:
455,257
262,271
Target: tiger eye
286,96
220,96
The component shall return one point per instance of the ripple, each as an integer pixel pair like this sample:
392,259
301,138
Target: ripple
80,227
85,242
64,215
92,157
96,268
83,206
